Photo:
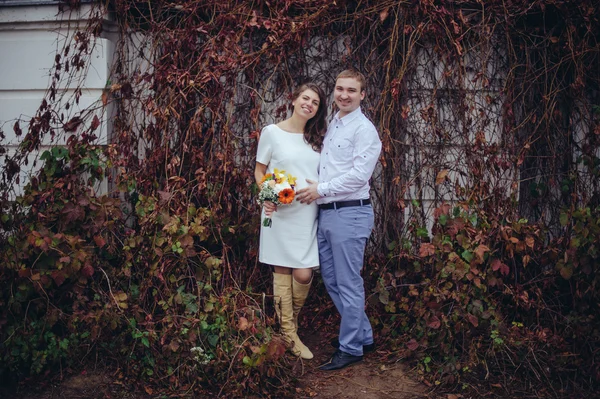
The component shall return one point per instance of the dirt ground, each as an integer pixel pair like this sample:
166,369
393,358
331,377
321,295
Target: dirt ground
368,379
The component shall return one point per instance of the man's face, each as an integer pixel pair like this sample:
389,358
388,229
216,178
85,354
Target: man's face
348,95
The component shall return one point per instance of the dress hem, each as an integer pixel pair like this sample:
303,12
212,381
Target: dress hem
289,266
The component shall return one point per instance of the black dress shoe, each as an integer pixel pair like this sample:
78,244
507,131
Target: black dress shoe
366,348
339,360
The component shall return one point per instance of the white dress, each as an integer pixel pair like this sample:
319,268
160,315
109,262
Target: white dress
291,241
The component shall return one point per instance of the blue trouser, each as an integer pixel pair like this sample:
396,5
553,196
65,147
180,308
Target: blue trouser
342,236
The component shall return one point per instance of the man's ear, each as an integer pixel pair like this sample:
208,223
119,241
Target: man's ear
362,94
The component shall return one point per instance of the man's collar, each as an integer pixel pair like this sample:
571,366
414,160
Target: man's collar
346,119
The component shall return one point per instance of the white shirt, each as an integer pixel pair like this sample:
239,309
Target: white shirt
351,148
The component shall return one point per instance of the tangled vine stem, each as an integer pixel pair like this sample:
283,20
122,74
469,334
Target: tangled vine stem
486,197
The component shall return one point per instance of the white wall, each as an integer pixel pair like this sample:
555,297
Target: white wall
30,37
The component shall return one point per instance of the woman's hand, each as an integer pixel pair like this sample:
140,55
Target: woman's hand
269,208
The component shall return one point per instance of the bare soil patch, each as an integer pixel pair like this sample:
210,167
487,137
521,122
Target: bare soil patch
369,379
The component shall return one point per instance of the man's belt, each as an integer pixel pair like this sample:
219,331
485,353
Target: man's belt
343,204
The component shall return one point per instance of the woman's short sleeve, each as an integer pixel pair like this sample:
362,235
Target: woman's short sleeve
265,147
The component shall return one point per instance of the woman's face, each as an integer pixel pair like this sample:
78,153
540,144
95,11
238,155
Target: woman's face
307,104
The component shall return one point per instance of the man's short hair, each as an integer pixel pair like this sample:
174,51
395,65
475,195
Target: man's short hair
353,73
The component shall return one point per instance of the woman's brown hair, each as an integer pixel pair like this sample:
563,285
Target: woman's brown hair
315,128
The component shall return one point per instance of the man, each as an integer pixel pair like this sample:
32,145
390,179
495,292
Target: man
350,152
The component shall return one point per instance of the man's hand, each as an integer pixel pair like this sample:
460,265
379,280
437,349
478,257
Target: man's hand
308,194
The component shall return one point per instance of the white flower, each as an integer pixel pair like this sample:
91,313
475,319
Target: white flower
200,356
281,186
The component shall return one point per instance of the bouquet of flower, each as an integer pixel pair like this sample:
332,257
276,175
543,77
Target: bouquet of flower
278,188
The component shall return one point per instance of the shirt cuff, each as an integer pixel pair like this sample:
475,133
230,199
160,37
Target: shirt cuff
322,189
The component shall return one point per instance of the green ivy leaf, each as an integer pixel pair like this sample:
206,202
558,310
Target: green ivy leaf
566,272
443,219
213,339
564,219
467,255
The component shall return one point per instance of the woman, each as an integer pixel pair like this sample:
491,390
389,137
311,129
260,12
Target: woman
290,244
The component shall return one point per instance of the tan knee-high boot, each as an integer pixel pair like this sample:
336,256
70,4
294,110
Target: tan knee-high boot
299,294
282,292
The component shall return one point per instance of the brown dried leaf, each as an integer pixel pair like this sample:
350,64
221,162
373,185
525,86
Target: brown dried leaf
434,323
480,251
441,176
384,14
473,319
426,249
412,345
243,324
530,241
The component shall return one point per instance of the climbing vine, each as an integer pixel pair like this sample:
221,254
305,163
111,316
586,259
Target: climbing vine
483,259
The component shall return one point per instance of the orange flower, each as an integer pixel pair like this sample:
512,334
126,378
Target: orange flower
286,196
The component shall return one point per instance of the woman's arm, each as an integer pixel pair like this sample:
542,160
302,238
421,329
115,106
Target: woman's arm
259,172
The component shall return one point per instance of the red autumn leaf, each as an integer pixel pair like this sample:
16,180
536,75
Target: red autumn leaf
276,349
426,249
100,241
186,241
65,259
59,277
72,124
473,319
434,323
73,212
24,272
95,123
17,129
412,345
405,111
498,265
87,270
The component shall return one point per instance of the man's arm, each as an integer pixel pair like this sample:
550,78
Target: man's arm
368,148
365,156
